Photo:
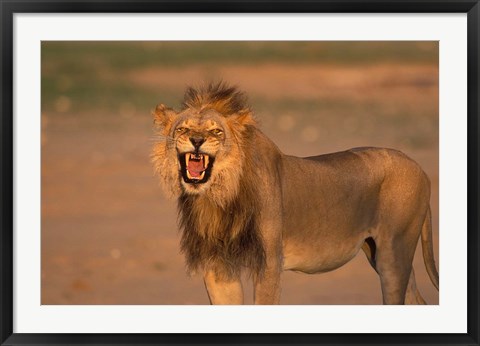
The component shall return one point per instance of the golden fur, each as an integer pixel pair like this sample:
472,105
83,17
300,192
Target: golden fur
244,205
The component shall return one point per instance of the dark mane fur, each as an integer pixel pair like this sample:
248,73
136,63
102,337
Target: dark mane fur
232,241
227,255
219,96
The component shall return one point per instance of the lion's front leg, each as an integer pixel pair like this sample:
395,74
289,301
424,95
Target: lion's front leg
267,284
223,290
267,288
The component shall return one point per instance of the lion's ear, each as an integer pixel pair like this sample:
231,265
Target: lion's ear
163,117
245,118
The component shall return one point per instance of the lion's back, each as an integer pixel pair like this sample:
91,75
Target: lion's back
357,174
383,161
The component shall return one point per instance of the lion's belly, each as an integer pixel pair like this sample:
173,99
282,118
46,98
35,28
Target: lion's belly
330,208
319,240
319,256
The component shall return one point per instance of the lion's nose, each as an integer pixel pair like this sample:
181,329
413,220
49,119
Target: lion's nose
197,141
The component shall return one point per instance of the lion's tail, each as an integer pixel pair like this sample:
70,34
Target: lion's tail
427,247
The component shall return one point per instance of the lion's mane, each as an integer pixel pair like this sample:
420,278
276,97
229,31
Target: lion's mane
219,227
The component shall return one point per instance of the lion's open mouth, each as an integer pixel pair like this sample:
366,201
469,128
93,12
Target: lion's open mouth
196,167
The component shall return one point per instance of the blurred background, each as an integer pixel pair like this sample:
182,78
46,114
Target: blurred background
109,236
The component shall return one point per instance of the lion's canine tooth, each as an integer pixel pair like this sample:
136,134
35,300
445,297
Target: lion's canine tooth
188,175
187,159
202,175
205,161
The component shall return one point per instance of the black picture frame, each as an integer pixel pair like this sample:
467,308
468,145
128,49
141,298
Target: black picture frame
10,7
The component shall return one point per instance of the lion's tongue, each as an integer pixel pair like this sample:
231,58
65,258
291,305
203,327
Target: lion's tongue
195,168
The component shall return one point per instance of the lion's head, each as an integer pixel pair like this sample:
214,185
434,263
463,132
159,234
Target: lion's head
200,147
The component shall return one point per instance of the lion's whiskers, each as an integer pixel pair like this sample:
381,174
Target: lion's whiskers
159,136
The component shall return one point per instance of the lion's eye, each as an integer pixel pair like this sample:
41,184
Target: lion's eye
216,132
180,129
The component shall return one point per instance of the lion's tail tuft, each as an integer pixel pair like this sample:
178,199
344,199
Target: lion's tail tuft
427,247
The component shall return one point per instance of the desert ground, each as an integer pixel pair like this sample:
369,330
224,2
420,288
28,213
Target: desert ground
108,234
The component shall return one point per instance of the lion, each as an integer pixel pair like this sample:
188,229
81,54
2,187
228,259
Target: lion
244,206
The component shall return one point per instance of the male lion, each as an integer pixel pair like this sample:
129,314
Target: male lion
244,205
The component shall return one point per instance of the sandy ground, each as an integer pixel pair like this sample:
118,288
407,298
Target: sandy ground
110,237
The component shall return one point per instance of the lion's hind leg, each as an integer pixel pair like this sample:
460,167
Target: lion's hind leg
413,296
394,271
393,261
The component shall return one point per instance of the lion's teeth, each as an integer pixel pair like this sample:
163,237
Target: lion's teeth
196,157
189,176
